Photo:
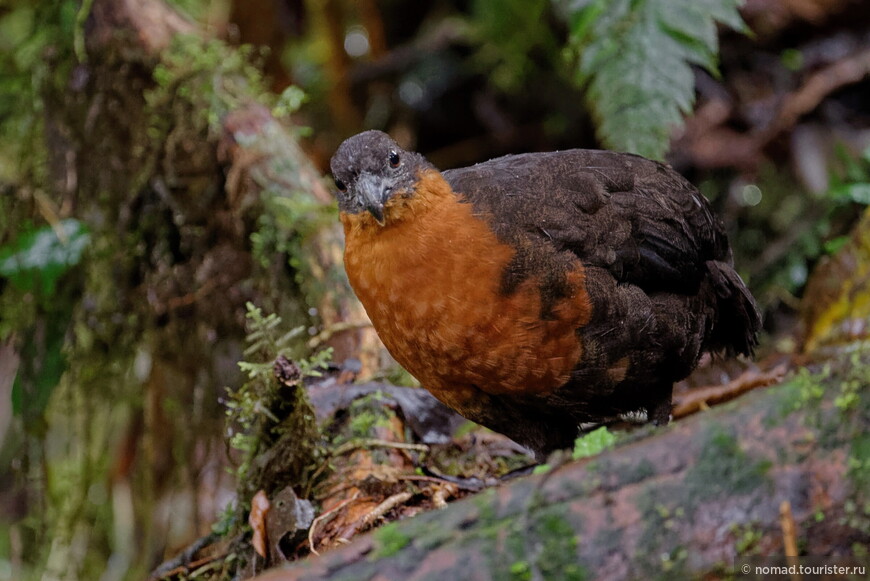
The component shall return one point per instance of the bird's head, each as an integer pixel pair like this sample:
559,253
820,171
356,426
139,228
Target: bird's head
372,173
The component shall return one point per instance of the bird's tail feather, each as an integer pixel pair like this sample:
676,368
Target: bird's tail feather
738,321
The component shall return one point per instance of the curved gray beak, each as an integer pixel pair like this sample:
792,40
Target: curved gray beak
374,193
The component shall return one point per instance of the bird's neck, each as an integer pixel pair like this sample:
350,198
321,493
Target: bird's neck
431,193
432,237
432,224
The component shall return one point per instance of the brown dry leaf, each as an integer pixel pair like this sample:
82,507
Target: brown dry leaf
260,506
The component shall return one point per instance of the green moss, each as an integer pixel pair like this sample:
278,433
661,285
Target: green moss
656,552
746,538
859,461
857,515
803,391
485,502
633,472
673,561
558,556
541,545
366,414
362,423
520,571
389,540
724,468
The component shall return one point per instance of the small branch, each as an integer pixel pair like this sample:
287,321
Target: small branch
702,398
816,89
374,443
386,506
329,512
327,333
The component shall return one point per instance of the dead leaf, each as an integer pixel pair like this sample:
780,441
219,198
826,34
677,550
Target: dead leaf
260,506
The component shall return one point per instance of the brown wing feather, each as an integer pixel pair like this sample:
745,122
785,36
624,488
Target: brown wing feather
633,219
637,218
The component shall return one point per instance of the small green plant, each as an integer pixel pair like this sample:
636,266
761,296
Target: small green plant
267,408
37,307
593,443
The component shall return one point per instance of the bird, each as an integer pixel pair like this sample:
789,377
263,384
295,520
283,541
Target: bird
538,292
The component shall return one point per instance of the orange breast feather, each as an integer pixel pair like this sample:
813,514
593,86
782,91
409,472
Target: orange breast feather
429,279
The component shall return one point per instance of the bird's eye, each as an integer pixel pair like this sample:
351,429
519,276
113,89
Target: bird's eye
394,159
340,185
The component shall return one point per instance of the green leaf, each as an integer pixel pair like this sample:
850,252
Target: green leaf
38,258
593,443
634,58
858,193
43,364
835,244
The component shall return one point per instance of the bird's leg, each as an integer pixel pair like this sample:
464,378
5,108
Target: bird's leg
658,411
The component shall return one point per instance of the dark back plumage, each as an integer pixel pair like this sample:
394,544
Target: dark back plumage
635,218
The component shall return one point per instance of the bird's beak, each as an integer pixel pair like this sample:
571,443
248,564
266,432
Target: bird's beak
374,194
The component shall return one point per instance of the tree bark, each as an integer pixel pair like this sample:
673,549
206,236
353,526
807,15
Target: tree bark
265,159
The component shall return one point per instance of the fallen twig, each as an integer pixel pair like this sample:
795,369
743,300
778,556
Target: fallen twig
703,397
375,443
329,512
386,506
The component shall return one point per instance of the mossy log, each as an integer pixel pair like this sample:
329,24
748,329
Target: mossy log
679,502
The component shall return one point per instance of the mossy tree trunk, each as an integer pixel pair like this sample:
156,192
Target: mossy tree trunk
198,200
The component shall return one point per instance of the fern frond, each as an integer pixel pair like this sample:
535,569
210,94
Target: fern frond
634,58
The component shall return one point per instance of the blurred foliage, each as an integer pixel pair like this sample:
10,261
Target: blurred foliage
635,59
852,182
201,79
34,41
35,260
632,63
836,307
788,229
515,38
33,263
